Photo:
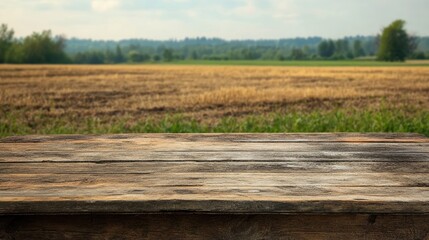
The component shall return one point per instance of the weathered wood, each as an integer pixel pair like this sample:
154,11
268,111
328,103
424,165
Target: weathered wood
388,154
260,137
215,173
234,227
131,168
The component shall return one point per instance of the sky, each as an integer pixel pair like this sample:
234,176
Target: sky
228,19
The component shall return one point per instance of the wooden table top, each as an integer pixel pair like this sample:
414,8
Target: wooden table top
215,173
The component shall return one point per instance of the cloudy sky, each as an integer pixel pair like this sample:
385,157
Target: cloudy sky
229,19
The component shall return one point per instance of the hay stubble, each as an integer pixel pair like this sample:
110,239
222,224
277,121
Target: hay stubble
205,93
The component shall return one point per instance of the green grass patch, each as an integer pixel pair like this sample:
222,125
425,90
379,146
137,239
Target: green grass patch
383,120
315,63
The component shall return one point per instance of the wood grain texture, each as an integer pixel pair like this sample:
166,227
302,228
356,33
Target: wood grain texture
215,173
216,227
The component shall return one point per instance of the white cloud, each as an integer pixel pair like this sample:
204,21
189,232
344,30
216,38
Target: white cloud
104,5
53,2
248,9
268,9
284,10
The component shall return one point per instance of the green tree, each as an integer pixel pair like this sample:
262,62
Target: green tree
280,56
109,57
43,48
418,56
15,54
394,43
297,54
167,55
342,49
413,44
135,56
326,48
193,55
6,41
91,57
119,56
358,50
156,58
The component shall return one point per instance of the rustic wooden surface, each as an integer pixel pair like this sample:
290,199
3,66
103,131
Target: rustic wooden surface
217,227
215,173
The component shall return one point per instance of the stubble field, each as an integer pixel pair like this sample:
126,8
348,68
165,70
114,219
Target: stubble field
160,98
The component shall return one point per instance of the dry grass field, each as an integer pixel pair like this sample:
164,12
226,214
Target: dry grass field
37,98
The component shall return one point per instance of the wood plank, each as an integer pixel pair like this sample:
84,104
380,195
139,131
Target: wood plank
140,193
221,137
214,143
218,173
220,179
228,227
167,146
142,197
183,226
205,156
213,167
205,205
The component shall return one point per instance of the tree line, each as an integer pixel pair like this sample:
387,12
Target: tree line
392,44
37,48
218,49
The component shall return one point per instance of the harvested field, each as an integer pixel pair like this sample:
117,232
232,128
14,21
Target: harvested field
37,95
